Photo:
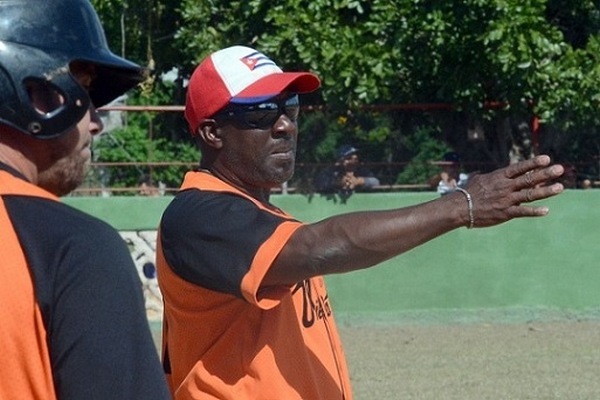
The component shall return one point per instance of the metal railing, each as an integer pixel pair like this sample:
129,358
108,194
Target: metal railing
301,183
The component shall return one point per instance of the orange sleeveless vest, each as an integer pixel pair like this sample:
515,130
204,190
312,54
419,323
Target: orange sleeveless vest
221,347
25,371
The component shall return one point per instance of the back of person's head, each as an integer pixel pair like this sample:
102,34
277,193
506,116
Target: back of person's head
452,157
239,75
39,41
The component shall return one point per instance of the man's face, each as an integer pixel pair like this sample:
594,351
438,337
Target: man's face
452,169
63,162
351,162
259,150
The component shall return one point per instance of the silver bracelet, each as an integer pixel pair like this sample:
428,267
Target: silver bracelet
470,205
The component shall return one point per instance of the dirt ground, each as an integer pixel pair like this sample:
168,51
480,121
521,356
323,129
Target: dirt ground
473,361
537,360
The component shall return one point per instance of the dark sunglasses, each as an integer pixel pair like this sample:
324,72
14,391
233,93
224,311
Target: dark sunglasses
262,115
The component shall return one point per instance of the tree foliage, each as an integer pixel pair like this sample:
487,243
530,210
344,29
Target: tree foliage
497,62
142,30
381,51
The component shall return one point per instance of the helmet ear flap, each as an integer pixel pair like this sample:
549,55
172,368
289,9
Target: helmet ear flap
36,101
52,109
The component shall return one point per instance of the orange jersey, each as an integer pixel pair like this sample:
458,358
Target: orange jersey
72,321
26,371
223,339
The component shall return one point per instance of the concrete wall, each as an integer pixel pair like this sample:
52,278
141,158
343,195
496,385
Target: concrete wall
548,264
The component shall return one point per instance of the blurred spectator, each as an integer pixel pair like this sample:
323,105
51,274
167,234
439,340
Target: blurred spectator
451,176
146,186
346,176
586,183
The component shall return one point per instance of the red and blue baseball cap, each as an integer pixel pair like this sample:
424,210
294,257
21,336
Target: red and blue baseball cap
239,75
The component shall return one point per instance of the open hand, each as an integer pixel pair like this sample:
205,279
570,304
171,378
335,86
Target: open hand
498,196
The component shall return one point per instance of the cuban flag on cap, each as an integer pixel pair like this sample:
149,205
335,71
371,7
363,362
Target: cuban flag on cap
240,68
241,75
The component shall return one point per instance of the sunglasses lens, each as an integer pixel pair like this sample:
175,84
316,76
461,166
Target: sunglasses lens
292,108
261,118
264,115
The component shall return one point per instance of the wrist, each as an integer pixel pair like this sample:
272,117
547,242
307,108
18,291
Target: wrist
471,217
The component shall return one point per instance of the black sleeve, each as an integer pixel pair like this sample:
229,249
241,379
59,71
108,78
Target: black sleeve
92,302
210,239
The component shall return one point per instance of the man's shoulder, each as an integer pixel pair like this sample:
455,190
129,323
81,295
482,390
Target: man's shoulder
198,196
48,216
197,205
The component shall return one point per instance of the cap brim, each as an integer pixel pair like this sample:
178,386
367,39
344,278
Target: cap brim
347,154
272,85
114,76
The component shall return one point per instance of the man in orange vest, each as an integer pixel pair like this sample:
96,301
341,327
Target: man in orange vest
247,314
72,318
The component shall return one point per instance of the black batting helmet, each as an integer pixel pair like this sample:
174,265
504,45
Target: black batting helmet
38,42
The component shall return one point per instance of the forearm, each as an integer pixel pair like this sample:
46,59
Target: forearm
359,240
370,182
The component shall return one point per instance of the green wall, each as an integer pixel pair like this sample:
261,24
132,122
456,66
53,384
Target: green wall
548,264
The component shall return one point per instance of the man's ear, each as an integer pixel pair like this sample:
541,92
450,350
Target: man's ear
210,133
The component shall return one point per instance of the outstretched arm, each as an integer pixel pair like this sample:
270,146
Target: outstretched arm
359,240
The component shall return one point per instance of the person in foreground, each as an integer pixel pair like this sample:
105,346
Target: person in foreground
72,320
247,314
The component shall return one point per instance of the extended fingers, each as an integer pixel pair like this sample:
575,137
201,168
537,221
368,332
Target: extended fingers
538,192
533,172
520,168
536,177
501,195
532,194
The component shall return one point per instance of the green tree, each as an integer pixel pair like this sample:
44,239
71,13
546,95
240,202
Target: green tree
142,140
130,145
497,62
142,31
